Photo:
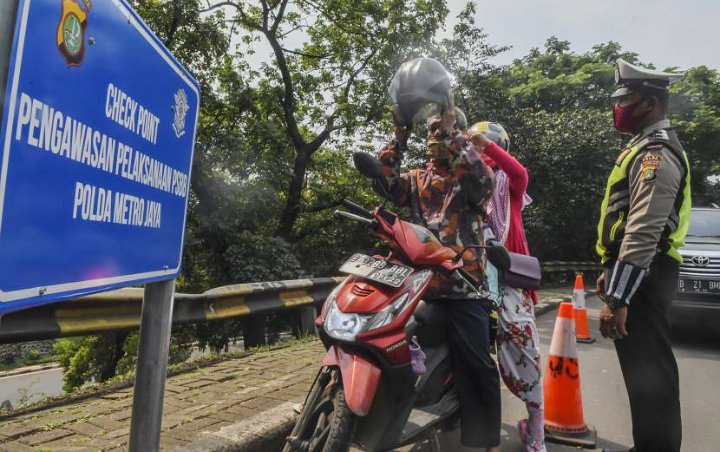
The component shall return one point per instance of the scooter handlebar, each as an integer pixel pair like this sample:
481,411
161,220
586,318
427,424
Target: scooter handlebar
466,277
352,216
357,209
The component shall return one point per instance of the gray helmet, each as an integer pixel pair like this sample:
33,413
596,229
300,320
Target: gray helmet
419,89
460,119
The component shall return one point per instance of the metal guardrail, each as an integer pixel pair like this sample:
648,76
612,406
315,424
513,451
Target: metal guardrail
562,266
119,310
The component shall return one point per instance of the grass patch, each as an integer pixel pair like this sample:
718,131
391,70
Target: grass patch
24,362
51,426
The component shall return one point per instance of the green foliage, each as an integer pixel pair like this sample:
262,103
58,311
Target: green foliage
556,106
127,363
98,358
77,356
322,237
13,356
568,173
259,258
696,115
325,82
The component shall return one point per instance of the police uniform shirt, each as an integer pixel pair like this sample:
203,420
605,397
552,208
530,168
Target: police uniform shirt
654,179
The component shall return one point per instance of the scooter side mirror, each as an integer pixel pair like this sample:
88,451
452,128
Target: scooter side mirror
368,165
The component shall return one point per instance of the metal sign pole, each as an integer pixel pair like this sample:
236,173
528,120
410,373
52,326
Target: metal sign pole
8,12
151,366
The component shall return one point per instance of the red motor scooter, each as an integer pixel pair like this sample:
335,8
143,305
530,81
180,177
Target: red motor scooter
366,391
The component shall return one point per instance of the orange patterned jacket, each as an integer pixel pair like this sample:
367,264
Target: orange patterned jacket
448,197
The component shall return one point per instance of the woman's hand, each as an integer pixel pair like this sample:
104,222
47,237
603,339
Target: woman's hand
478,139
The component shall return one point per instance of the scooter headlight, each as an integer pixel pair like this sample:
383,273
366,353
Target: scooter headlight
341,325
388,313
330,300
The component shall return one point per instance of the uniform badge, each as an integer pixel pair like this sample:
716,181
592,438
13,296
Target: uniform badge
649,165
71,30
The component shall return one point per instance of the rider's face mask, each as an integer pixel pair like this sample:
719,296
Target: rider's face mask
439,140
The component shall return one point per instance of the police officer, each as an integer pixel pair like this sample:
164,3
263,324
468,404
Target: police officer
644,219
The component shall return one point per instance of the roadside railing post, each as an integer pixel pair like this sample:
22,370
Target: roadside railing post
307,320
255,331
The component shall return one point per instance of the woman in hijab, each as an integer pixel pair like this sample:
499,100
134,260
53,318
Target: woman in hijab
517,340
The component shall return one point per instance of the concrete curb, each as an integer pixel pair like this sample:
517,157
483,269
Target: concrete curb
545,306
267,430
29,369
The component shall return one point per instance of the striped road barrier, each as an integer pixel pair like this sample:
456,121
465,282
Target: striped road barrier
119,310
563,266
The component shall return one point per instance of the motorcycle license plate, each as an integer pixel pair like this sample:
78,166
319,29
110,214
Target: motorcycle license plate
378,270
689,285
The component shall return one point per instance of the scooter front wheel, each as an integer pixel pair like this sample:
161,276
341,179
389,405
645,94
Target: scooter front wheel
326,423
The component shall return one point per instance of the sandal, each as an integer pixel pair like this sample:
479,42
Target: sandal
528,443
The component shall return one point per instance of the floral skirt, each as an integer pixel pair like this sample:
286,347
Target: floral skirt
518,349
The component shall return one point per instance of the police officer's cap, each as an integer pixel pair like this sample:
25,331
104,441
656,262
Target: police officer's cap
635,79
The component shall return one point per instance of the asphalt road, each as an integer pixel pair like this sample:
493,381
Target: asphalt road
605,404
31,387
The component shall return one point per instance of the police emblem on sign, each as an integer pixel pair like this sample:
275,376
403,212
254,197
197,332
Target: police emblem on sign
181,108
71,30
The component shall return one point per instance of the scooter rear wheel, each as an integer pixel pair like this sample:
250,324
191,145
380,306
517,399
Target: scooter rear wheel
326,423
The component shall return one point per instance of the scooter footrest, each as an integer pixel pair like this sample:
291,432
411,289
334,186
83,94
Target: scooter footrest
421,419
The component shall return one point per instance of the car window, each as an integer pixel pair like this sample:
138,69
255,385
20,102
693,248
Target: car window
705,223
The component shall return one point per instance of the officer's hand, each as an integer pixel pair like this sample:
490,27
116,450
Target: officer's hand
620,320
606,316
612,323
600,287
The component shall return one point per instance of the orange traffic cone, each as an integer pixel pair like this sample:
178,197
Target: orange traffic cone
581,323
564,421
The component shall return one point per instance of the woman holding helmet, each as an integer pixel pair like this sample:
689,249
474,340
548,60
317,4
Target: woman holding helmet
518,343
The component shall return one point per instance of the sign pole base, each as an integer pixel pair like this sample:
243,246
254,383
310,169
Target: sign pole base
151,366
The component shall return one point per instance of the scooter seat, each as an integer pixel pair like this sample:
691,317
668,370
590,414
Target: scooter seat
431,314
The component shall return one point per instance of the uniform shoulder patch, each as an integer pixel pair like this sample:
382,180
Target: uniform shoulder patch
622,156
661,135
648,167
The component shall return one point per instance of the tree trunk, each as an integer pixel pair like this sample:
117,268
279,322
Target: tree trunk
292,206
116,343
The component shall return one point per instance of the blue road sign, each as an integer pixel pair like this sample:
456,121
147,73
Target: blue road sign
96,146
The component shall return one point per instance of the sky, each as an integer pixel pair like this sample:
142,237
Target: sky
667,33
